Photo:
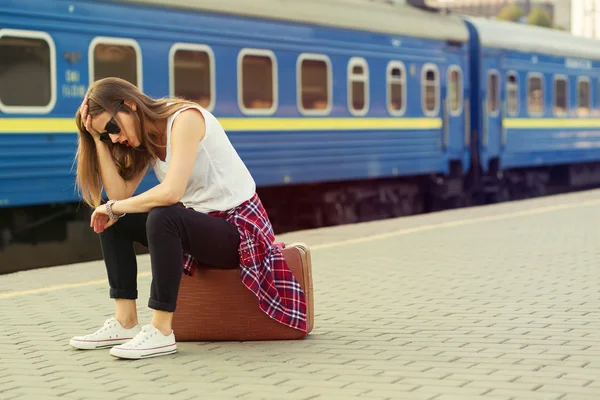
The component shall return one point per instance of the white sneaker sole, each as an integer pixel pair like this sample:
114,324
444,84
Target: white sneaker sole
136,354
83,344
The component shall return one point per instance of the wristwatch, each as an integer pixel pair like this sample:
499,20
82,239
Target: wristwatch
109,205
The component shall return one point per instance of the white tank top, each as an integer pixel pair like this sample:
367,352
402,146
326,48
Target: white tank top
219,180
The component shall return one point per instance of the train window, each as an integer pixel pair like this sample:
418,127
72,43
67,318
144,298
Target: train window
257,81
535,94
455,89
560,95
583,96
396,88
358,86
192,70
493,93
27,72
512,93
431,88
314,84
115,57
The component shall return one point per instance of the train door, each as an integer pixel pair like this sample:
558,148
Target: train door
453,110
492,115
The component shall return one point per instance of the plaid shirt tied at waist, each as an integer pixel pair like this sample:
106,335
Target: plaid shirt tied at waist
264,270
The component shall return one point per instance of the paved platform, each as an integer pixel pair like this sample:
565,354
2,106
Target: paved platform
497,302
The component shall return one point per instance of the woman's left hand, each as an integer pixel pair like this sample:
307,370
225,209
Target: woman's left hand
100,219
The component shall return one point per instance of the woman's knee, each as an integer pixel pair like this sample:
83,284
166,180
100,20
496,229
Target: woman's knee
112,233
160,218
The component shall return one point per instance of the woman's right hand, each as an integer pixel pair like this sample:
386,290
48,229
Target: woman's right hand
87,120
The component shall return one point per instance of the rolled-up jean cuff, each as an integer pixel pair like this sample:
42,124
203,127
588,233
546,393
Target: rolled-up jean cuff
160,306
123,294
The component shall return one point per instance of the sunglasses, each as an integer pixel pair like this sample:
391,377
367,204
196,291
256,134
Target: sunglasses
111,128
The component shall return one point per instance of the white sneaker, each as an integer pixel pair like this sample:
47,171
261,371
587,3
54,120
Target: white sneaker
150,342
111,334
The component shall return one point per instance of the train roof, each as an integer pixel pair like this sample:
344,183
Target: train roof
383,16
534,39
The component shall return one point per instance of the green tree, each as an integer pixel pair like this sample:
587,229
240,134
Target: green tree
511,12
539,17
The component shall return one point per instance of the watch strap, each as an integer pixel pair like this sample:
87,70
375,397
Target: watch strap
109,211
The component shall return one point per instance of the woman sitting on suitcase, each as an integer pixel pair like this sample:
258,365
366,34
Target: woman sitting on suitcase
204,211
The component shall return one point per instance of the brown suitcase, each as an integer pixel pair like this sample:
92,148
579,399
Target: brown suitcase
214,304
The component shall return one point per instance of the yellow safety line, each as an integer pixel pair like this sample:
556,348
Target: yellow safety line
400,232
59,287
266,124
67,125
538,123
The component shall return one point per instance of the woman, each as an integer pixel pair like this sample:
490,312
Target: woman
204,211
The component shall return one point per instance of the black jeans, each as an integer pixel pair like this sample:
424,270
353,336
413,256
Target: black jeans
167,232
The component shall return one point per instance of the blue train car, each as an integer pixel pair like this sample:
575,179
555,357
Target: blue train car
536,109
340,109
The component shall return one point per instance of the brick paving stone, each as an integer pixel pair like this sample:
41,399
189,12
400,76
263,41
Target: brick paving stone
508,366
396,395
467,397
495,302
35,391
36,396
494,384
487,377
23,381
91,393
349,378
579,397
526,394
459,391
154,396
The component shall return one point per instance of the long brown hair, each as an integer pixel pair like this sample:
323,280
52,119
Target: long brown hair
106,95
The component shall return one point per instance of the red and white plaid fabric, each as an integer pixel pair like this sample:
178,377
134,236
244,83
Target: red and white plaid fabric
264,271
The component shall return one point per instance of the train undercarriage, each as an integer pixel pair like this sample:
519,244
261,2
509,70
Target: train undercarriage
41,236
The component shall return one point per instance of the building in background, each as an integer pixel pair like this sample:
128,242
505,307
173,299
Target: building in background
585,18
559,11
562,13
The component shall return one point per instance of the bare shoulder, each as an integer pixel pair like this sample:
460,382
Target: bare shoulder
189,122
190,116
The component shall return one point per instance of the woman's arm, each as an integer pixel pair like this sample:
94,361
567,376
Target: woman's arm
115,187
187,131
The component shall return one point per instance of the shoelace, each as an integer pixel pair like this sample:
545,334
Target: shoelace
141,337
106,325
